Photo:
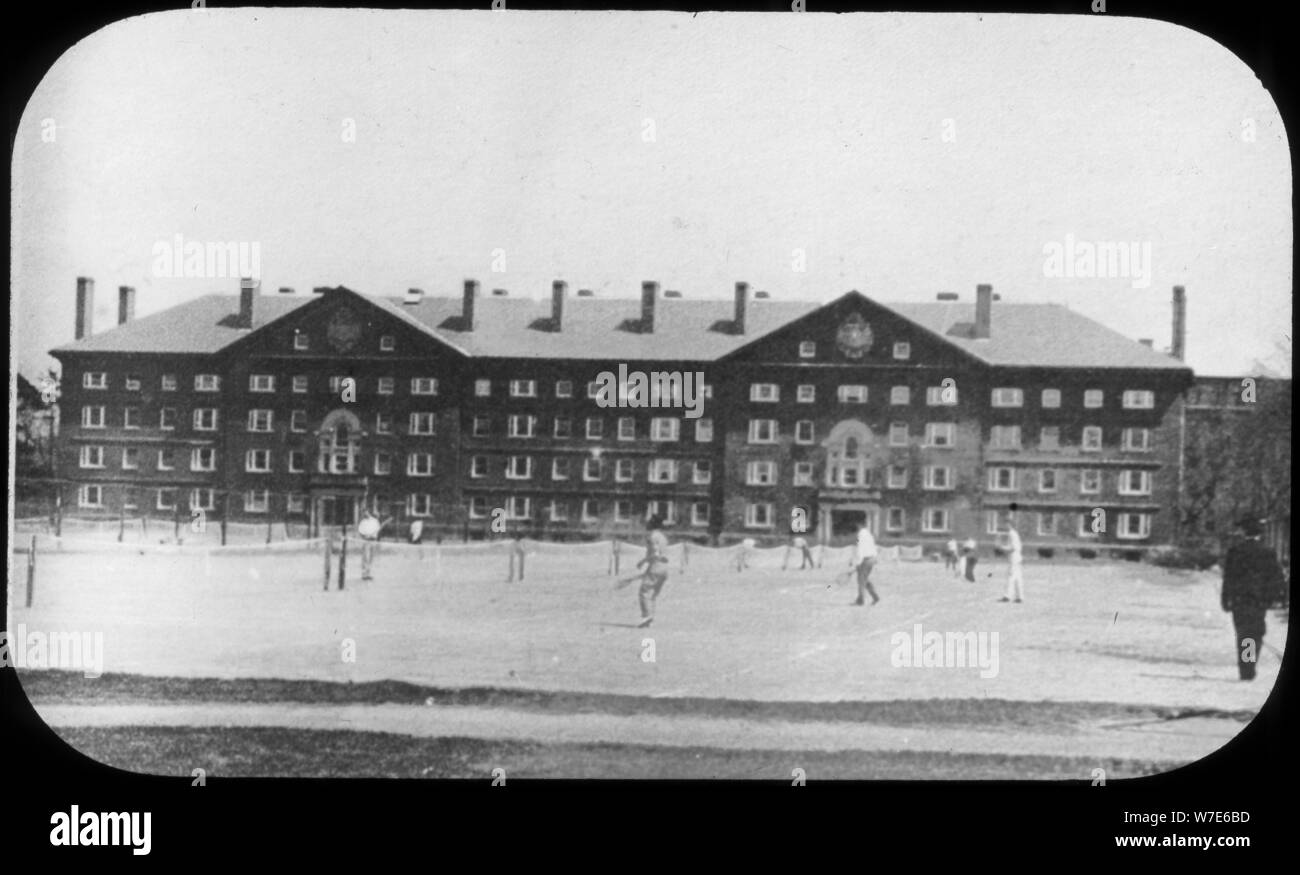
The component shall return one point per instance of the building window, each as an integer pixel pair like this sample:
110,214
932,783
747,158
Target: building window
166,499
939,434
523,388
203,459
482,426
1004,437
665,510
90,496
1085,526
298,420
900,395
595,428
807,349
764,392
92,417
421,504
1047,480
623,471
133,382
383,423
591,469
626,428
699,513
421,423
762,431
564,389
853,394
1137,440
203,499
257,461
261,383
894,519
702,473
1092,398
897,477
424,386
94,380
419,464
387,385
760,473
518,508
130,498
166,460
590,510
560,469
1047,524
336,384
662,471
563,428
130,458
205,419
383,464
899,434
167,418
759,515
934,519
803,431
902,350
92,457
169,382
1134,482
298,462
993,523
207,383
1089,481
1002,479
300,385
387,343
803,474
1134,525
300,341
478,466
622,511
664,428
1139,399
1049,438
703,431
938,477
257,501
593,389
258,420
1006,397
806,394
558,511
478,507
1051,398
295,502
1092,438
939,396
131,417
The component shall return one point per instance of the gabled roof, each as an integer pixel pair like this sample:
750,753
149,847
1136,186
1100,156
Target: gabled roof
1023,335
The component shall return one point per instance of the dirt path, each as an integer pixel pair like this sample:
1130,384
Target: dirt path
1183,740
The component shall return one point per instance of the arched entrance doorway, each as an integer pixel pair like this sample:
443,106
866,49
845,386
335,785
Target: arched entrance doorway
850,491
338,487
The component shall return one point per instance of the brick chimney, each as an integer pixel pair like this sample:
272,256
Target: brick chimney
413,296
467,308
946,296
85,306
125,304
649,292
1179,342
742,301
558,291
247,301
983,311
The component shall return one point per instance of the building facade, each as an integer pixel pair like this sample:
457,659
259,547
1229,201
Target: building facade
576,417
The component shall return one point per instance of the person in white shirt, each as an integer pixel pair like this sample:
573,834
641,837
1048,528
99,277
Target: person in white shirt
969,556
864,559
806,557
1015,576
950,557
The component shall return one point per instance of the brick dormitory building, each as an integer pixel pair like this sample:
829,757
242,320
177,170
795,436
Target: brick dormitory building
928,420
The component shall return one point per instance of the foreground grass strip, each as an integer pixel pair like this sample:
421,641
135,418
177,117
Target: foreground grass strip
70,687
297,753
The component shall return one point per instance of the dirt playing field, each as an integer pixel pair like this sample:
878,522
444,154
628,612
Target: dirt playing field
1096,633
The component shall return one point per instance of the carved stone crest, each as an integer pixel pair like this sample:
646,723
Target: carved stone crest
854,337
344,330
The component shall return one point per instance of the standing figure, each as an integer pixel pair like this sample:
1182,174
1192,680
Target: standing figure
970,553
417,531
1252,582
742,558
801,544
656,568
864,559
950,557
368,529
1015,575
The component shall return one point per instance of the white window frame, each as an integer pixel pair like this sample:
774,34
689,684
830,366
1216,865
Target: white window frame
756,426
89,450
387,343
94,380
1014,432
1125,485
624,470
1123,530
900,395
890,525
805,393
300,384
764,393
1008,396
852,393
255,418
803,474
414,466
702,472
563,388
1049,446
207,383
199,417
899,482
84,492
665,428
698,518
87,418
169,382
752,513
900,434
386,385
595,429
927,523
1094,399
127,417
252,504
993,479
1083,439
1050,399
1042,480
130,466
523,388
421,422
902,350
625,428
560,468
931,478
800,426
261,382
160,504
424,386
251,457
197,462
807,349
1083,481
1131,446
662,471
704,430
760,472
1139,399
934,429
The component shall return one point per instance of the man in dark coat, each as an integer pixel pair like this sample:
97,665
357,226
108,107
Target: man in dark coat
1252,582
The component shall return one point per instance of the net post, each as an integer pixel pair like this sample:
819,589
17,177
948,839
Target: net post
325,544
31,571
343,558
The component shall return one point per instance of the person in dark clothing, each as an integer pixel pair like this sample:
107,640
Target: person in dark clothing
1252,582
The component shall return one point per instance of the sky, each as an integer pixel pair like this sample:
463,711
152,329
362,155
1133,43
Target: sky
806,154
